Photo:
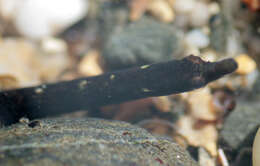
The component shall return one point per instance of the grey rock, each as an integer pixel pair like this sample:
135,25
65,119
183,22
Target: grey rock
142,42
92,142
241,125
112,17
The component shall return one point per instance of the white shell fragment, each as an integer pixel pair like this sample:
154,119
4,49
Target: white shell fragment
40,18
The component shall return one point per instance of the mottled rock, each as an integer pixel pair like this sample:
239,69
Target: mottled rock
145,41
241,125
92,142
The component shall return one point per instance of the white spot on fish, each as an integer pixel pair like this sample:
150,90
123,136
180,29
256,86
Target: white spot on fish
38,90
82,84
112,76
144,66
44,86
146,90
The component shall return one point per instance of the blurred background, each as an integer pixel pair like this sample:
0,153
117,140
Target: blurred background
43,41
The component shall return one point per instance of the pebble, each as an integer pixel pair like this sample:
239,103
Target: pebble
198,134
234,43
8,81
183,6
36,18
205,159
214,8
54,58
182,20
53,45
161,10
23,63
90,64
142,42
200,15
201,105
16,62
224,38
197,38
246,64
7,7
241,125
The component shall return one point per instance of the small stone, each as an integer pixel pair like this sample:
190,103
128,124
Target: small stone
24,120
53,45
214,8
246,64
184,6
53,59
8,81
205,159
182,21
137,9
162,103
198,133
224,38
16,64
197,38
143,42
254,5
113,17
201,104
205,30
90,64
200,14
7,8
241,125
28,63
37,19
161,10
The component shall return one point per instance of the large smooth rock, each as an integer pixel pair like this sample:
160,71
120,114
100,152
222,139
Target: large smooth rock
92,142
